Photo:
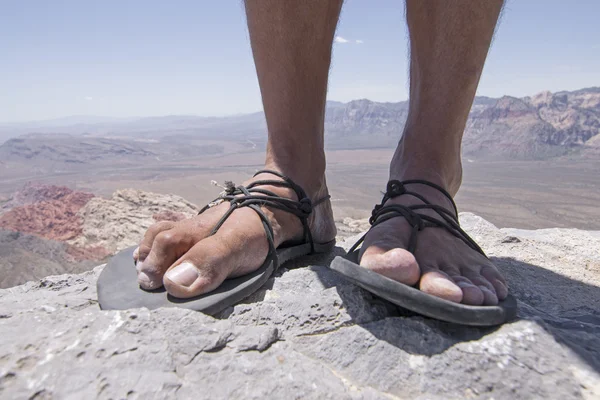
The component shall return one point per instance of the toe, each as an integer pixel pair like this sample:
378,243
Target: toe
136,255
166,248
472,295
490,297
438,284
202,269
497,280
146,244
237,249
397,264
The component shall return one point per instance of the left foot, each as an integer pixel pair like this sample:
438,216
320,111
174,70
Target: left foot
442,265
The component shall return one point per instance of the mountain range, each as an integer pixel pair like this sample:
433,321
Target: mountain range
537,127
542,126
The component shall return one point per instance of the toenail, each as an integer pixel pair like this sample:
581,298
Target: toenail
144,280
184,274
501,288
444,285
486,289
501,284
463,284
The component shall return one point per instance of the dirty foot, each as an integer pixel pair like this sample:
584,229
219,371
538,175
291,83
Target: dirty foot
188,262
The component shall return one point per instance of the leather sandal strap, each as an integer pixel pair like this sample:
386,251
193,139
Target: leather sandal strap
254,196
418,221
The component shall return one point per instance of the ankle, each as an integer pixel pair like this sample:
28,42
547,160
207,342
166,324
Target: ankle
440,165
308,173
320,221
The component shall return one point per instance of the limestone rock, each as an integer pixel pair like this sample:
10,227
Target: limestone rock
309,334
348,227
121,221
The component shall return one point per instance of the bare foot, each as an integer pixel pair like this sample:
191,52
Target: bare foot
188,262
442,265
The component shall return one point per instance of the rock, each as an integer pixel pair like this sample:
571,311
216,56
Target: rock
309,334
26,257
121,221
34,193
511,239
348,227
54,230
54,219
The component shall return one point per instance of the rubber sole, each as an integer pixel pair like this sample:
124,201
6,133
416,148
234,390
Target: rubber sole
118,288
425,304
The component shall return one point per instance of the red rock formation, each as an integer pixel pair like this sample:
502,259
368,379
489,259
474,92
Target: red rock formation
52,213
34,193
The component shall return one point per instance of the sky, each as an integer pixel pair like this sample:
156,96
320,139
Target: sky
152,57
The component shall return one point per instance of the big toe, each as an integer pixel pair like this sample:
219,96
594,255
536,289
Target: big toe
202,269
397,264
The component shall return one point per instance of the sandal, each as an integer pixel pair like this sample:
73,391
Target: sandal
410,297
118,288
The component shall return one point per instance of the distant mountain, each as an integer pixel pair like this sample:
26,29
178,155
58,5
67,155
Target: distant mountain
545,125
65,121
147,127
541,126
60,151
366,117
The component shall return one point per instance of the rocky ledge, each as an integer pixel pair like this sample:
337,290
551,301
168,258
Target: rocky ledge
310,334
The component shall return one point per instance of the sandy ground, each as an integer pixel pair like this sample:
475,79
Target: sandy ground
533,194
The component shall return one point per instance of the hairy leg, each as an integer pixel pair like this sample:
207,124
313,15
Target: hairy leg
291,42
449,43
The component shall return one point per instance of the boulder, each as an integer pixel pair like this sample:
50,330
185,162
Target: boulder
310,334
122,220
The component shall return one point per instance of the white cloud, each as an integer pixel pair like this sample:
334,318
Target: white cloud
340,39
88,98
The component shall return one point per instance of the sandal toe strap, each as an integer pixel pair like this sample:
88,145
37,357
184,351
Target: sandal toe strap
418,221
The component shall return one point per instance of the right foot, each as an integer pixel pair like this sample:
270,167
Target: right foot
188,262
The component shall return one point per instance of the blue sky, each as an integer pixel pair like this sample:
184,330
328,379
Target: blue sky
145,57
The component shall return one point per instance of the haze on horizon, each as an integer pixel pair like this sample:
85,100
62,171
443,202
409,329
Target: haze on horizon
149,58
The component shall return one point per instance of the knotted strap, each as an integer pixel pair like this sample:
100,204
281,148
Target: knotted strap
255,197
418,221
